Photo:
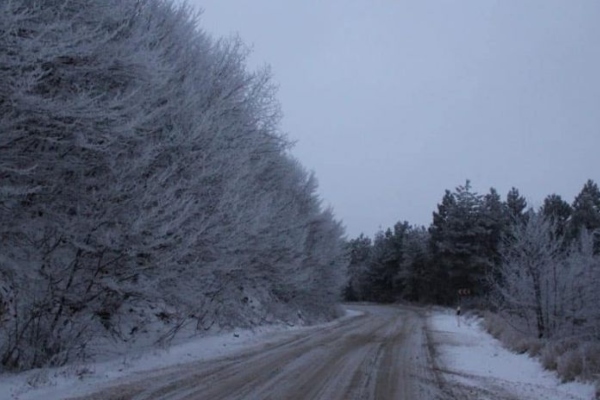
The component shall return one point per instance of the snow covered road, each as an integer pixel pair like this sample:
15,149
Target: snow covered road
376,352
381,354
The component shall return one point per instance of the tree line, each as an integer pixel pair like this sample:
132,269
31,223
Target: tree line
142,167
539,267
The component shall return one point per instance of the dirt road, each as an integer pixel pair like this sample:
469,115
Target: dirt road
381,354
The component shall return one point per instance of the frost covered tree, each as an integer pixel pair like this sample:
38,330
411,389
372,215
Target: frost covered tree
546,288
70,88
528,255
140,161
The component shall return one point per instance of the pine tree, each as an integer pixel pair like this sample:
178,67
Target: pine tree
586,212
416,267
441,292
558,211
586,207
359,254
495,222
515,205
459,237
383,268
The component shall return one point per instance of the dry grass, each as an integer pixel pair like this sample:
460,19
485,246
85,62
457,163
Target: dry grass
571,359
514,339
554,351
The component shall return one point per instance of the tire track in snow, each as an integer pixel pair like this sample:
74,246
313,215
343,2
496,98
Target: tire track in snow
382,354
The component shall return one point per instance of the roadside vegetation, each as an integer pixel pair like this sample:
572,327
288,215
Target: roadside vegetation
144,182
533,273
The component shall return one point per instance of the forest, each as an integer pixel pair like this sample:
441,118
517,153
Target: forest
144,179
535,272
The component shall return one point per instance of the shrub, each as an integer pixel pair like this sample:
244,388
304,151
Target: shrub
570,358
570,364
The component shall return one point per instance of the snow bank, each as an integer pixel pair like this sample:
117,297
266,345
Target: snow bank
472,358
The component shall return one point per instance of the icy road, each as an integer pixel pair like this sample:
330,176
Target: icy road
386,352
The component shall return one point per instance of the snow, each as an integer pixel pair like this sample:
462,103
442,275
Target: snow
471,358
84,378
467,356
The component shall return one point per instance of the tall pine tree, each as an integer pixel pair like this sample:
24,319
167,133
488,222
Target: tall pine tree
586,213
459,236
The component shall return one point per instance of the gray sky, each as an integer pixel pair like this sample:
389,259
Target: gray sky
391,101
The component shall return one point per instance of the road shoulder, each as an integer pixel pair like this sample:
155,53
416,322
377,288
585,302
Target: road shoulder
474,365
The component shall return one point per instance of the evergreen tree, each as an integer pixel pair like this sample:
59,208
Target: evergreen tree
416,270
437,233
383,269
359,252
515,205
586,207
459,237
397,243
558,211
586,212
381,281
440,218
495,222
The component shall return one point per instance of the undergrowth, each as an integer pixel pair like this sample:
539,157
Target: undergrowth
572,359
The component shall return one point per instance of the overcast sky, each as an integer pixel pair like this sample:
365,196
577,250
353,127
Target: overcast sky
391,102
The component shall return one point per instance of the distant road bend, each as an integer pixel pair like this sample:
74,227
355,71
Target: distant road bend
382,354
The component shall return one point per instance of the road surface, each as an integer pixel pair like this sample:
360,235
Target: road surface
382,354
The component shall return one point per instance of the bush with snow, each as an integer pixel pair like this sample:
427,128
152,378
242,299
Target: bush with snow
545,292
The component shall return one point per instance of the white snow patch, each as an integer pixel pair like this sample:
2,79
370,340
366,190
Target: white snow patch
472,357
84,378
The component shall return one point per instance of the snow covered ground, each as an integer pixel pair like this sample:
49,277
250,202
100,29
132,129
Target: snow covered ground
478,366
83,378
471,364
